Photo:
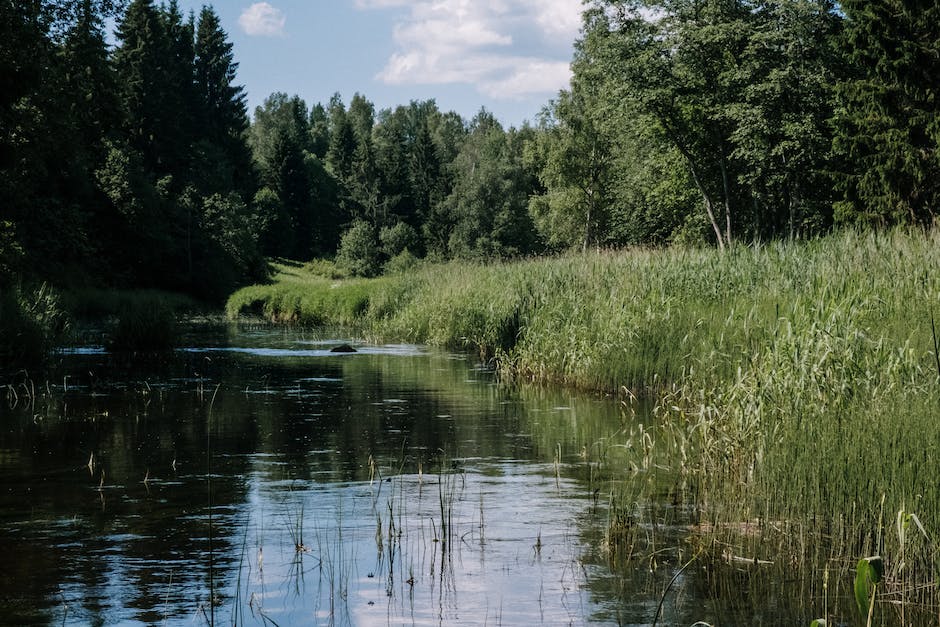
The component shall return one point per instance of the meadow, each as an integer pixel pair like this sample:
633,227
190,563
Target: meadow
794,383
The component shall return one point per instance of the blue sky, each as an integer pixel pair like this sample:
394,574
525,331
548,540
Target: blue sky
511,56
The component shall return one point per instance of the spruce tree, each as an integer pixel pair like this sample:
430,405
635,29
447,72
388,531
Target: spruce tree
887,129
139,61
221,111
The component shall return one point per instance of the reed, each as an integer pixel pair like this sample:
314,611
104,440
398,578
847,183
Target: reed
32,323
795,384
144,325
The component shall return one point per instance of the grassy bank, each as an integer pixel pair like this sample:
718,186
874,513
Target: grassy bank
797,383
643,319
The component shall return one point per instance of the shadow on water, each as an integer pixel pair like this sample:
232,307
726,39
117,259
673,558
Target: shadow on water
392,485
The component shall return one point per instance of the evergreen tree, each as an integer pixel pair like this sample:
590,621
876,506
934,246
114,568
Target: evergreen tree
424,172
222,114
292,185
887,130
176,89
140,64
340,155
319,131
89,80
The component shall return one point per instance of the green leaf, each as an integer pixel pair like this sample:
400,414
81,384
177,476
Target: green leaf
819,622
870,571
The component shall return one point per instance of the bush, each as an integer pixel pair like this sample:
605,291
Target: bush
398,239
401,263
145,325
31,324
359,251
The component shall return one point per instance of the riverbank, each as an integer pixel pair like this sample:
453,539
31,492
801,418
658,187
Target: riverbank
36,320
643,319
796,383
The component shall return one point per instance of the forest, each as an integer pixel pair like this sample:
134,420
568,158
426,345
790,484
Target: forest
132,162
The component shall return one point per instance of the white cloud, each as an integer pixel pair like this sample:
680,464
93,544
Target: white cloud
530,77
263,20
505,48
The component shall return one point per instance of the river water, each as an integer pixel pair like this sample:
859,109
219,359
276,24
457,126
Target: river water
254,477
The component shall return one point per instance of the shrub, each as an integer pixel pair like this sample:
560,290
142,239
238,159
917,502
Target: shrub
146,325
32,322
359,251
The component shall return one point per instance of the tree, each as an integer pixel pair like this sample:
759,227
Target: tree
176,90
222,114
681,70
279,113
340,155
140,63
574,157
359,250
489,203
424,172
887,129
319,131
782,133
290,181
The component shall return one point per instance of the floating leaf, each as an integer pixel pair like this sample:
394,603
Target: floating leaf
819,622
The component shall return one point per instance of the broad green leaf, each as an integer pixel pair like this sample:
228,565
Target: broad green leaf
869,572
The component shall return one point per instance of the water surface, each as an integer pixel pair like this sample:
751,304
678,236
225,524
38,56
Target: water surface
254,477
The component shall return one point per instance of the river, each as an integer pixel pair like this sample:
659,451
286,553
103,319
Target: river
255,477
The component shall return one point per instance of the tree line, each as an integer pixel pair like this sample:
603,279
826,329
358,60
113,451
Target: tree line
686,121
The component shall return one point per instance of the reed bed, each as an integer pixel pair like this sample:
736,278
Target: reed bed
795,384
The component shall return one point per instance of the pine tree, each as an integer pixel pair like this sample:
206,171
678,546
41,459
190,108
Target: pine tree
223,114
89,79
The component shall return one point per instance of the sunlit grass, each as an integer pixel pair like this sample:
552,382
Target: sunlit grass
795,384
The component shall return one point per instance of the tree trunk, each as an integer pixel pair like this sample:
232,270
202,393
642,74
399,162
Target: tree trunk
726,185
708,204
587,229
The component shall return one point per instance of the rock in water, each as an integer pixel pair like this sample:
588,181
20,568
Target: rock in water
343,348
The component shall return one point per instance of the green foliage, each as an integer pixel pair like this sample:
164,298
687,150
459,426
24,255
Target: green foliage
304,295
397,239
358,253
403,262
489,202
324,268
11,253
887,132
144,325
868,574
574,155
32,323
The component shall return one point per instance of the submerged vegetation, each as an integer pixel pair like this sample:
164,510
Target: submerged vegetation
795,384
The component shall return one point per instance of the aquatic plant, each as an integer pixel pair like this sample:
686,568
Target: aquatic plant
779,373
32,323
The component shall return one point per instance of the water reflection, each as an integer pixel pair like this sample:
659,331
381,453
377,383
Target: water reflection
395,485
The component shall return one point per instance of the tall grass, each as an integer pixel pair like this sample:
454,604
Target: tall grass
32,322
795,383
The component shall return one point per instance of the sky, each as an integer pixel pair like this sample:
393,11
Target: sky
510,56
